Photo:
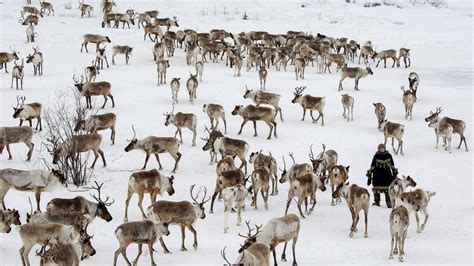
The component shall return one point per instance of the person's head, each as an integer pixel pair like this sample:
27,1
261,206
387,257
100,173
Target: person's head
381,147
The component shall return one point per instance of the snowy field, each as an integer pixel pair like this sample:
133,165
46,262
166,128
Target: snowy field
441,53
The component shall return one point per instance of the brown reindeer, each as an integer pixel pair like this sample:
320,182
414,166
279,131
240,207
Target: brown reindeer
380,112
262,75
261,97
324,161
416,201
11,135
30,20
294,171
89,89
152,30
383,55
458,126
46,6
357,198
338,174
175,84
405,53
399,221
94,38
7,218
227,179
182,213
121,49
56,253
161,68
28,112
182,120
268,162
398,186
85,8
151,182
409,99
101,56
84,206
225,146
366,52
96,123
140,232
155,145
310,103
337,59
348,104
36,59
214,112
192,85
303,187
168,22
255,113
355,73
78,144
276,231
255,254
7,57
18,74
260,181
444,130
394,131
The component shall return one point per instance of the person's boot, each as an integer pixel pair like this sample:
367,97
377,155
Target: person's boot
387,200
376,199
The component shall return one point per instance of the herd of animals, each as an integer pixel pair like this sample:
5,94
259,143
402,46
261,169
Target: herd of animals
61,231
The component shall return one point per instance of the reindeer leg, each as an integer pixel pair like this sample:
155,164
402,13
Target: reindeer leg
242,126
135,261
366,214
299,209
287,206
105,101
146,161
24,252
425,212
418,230
9,153
38,198
127,202
390,256
96,154
140,201
103,157
353,222
283,255
163,245
274,257
124,254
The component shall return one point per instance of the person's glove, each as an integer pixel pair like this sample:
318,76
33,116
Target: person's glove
369,181
395,172
368,174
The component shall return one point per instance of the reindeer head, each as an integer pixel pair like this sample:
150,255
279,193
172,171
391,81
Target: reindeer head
213,135
57,150
247,92
284,172
133,141
170,188
20,67
250,238
14,53
298,94
238,110
319,164
102,205
59,175
170,117
80,125
434,115
254,155
369,70
30,57
78,83
409,181
199,205
86,245
20,101
341,190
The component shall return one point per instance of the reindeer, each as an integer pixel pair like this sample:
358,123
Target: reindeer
214,112
32,10
168,22
10,135
255,254
180,120
107,19
409,99
91,72
121,49
78,144
199,69
261,181
152,13
354,73
442,129
7,57
383,55
276,231
182,213
85,8
155,30
261,160
18,74
89,89
151,182
255,113
28,112
7,218
398,186
262,75
107,6
399,221
413,80
46,6
124,18
357,198
405,53
299,68
94,38
139,232
294,171
234,197
175,84
30,33
155,145
169,45
338,174
57,253
161,67
101,56
37,60
366,52
192,52
310,103
380,112
458,125
96,123
29,20
337,59
227,179
303,187
226,147
348,104
191,85
158,52
84,206
143,19
394,131
415,201
32,234
260,97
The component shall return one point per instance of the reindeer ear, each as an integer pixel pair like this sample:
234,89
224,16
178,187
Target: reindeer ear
347,168
374,104
347,183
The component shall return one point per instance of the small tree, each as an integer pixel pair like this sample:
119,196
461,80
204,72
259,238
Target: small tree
61,116
245,16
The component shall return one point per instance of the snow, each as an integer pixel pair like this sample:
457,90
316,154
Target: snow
441,53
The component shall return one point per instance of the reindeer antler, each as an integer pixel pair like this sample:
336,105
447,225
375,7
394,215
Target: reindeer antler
35,49
322,153
134,134
98,198
191,192
311,154
172,111
223,256
284,164
20,101
293,158
249,234
299,90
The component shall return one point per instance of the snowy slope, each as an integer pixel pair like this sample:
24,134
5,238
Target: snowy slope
441,52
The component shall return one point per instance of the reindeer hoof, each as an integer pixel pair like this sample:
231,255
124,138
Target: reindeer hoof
333,204
366,235
183,249
395,251
125,220
390,257
400,259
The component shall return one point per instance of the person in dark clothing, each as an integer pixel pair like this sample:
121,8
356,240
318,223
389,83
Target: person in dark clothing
381,174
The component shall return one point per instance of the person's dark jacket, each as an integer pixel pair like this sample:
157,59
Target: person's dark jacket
383,169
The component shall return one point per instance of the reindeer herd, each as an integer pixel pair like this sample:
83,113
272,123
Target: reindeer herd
61,231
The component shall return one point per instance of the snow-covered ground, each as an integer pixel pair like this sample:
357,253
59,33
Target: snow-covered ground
441,52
